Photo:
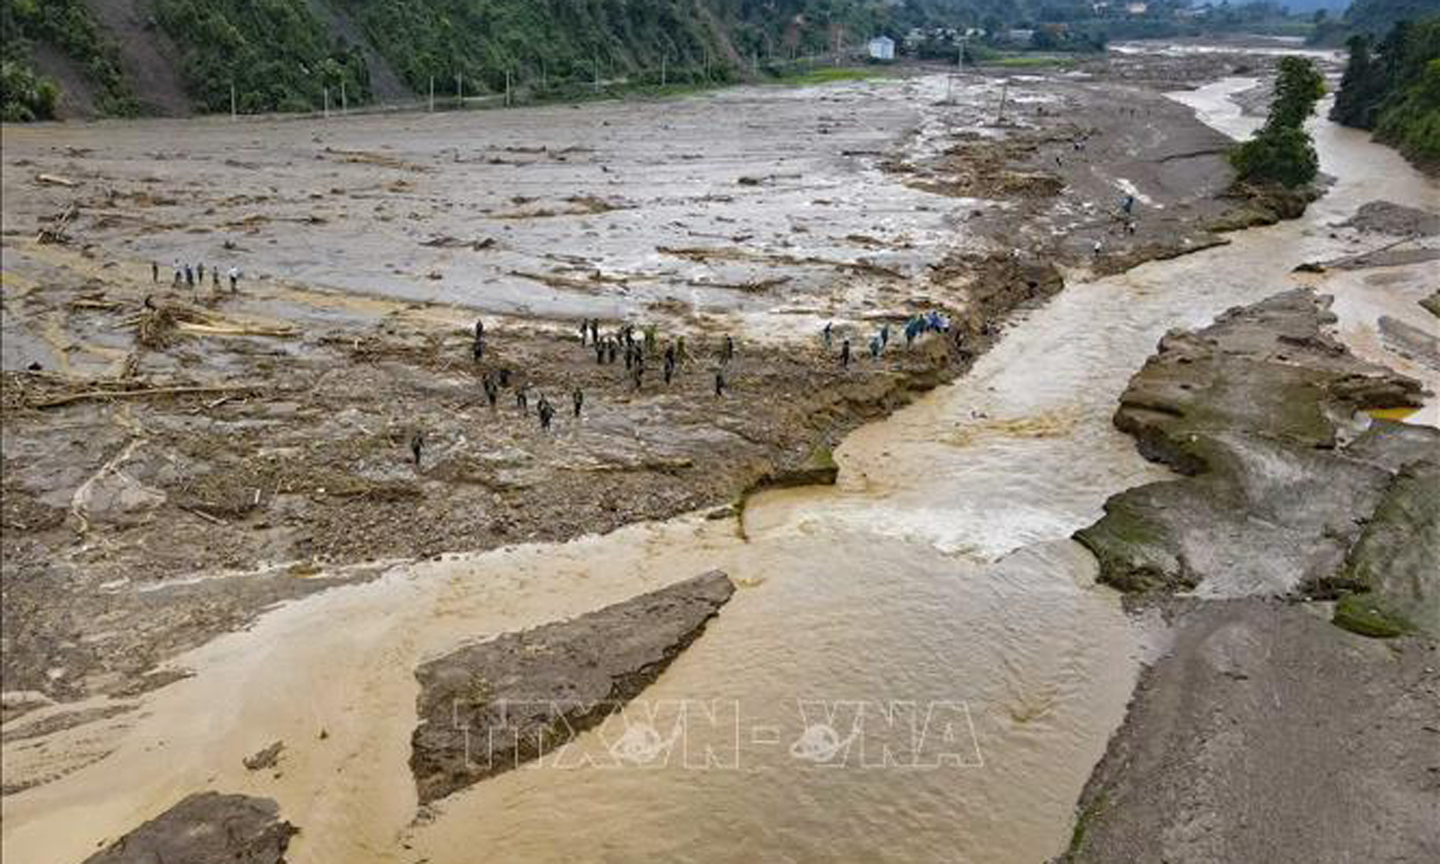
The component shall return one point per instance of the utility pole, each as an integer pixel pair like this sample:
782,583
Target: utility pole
327,103
507,88
460,89
543,85
1004,94
432,94
234,112
597,72
662,69
344,105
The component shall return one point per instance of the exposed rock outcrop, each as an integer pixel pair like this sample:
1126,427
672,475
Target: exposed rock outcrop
206,828
487,708
1261,410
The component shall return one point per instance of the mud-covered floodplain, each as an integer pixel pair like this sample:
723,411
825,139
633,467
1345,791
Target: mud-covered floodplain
218,536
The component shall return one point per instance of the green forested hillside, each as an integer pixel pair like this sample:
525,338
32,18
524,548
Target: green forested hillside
1393,87
276,54
283,54
1372,18
67,26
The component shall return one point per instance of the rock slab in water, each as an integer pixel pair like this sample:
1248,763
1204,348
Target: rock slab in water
1257,408
206,828
1383,217
534,690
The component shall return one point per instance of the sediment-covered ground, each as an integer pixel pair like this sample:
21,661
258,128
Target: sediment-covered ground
260,449
178,461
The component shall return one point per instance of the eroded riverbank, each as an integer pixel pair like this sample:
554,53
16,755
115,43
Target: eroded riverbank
285,470
936,571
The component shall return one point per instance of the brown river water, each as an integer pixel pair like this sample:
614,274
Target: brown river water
936,581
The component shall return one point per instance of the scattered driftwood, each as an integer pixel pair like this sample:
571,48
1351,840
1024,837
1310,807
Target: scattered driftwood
445,241
55,232
702,255
754,286
589,285
145,392
156,325
55,180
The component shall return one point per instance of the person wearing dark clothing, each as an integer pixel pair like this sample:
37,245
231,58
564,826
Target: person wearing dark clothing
825,334
584,330
578,398
200,272
154,272
417,444
522,401
478,349
729,351
845,353
479,329
599,353
614,349
189,276
504,377
885,336
594,330
719,383
492,392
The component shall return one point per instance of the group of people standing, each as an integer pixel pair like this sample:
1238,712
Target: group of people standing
193,275
915,327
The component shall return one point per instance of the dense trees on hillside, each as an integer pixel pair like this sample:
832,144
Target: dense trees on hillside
1282,152
284,54
276,54
67,26
1373,18
1393,87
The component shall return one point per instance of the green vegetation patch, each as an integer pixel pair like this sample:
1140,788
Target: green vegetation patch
67,26
275,54
1032,61
1396,562
832,75
1393,87
1282,153
1366,615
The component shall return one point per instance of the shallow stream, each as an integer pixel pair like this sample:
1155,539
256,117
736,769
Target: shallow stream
935,583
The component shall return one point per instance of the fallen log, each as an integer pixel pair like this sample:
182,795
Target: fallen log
149,391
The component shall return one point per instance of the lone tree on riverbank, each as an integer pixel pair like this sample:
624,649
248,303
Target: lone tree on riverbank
1282,151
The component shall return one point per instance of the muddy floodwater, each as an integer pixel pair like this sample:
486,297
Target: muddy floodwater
935,581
